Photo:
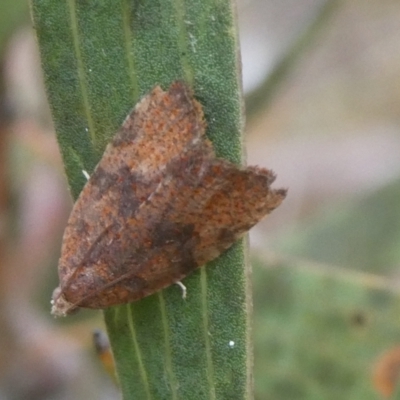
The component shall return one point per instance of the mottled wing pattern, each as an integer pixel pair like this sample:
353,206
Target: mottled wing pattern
158,205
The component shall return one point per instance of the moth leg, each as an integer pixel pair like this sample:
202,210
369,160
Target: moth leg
85,174
183,287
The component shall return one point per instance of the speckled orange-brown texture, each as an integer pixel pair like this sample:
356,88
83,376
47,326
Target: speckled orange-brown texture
158,205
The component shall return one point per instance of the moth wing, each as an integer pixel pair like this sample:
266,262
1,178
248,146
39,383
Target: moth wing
200,210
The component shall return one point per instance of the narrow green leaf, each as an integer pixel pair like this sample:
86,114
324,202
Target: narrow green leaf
98,58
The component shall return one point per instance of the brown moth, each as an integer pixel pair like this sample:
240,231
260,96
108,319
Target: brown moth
158,205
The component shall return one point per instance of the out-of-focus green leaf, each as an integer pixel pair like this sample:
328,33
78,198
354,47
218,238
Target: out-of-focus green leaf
319,336
362,234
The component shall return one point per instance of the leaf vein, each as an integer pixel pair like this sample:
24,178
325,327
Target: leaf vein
168,352
204,306
142,370
128,40
183,41
80,67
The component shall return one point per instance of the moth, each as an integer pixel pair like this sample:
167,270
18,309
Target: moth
158,205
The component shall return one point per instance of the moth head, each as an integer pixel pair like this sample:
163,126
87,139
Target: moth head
60,306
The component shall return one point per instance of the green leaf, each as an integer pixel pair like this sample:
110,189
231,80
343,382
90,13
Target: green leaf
98,58
320,330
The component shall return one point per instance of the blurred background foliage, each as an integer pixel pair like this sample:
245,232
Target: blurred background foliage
326,277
